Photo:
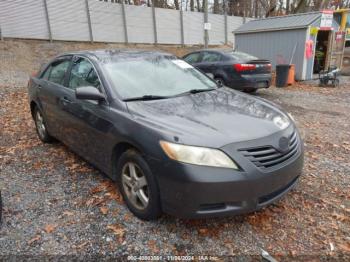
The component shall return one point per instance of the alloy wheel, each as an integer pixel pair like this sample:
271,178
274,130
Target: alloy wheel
40,125
135,185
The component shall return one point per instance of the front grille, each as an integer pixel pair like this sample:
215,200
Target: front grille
267,156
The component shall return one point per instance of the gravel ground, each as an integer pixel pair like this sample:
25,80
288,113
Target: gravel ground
57,204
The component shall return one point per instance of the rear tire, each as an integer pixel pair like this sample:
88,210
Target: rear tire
138,186
40,125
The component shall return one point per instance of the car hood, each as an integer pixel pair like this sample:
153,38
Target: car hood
213,119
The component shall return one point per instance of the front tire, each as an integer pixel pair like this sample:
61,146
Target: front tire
40,126
220,81
138,186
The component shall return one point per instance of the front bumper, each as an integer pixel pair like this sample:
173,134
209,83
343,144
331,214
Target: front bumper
191,191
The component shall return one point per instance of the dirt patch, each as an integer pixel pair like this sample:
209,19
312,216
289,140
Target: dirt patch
20,58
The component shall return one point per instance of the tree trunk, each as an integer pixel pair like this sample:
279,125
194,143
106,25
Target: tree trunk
198,6
192,5
301,7
216,7
176,3
287,7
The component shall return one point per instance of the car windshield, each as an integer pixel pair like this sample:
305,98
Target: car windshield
155,76
242,56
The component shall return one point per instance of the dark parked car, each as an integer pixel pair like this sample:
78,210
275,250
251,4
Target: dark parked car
234,69
172,139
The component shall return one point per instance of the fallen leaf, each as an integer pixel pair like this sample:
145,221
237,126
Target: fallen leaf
104,210
345,247
90,201
82,245
117,230
68,213
34,239
50,228
203,231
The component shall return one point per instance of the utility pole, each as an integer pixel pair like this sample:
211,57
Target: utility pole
206,33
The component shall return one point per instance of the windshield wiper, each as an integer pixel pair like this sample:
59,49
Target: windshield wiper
196,91
145,98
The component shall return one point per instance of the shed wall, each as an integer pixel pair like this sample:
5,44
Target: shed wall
277,46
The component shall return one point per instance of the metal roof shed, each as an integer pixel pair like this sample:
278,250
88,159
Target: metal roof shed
275,38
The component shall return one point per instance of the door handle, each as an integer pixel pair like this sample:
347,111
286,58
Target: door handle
65,100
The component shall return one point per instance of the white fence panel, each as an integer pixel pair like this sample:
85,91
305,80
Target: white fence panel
217,32
106,21
23,19
193,28
139,20
168,26
68,20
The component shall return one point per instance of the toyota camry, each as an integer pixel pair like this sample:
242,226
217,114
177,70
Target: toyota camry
174,140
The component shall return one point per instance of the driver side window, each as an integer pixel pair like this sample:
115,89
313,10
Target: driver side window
83,74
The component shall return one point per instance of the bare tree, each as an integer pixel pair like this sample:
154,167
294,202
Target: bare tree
199,9
192,5
176,3
216,7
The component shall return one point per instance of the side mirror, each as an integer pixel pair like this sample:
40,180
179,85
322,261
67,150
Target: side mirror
89,93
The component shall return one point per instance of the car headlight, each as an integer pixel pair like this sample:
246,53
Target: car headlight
197,155
281,122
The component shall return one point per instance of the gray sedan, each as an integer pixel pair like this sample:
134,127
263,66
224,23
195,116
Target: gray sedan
171,138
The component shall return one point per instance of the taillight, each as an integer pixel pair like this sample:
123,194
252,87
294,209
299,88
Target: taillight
244,67
268,66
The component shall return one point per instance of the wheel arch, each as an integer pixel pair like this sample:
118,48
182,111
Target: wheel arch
117,151
33,105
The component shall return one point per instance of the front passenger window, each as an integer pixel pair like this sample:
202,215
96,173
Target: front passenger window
83,74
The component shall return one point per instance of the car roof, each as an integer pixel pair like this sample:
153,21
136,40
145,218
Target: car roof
218,50
114,54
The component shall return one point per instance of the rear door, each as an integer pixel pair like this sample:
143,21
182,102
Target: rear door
51,89
210,62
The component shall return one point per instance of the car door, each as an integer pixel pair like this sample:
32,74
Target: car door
88,120
50,91
209,62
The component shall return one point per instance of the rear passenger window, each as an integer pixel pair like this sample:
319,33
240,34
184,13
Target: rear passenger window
83,74
58,71
211,57
192,58
46,74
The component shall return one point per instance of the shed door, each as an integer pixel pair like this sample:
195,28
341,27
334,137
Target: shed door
335,57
